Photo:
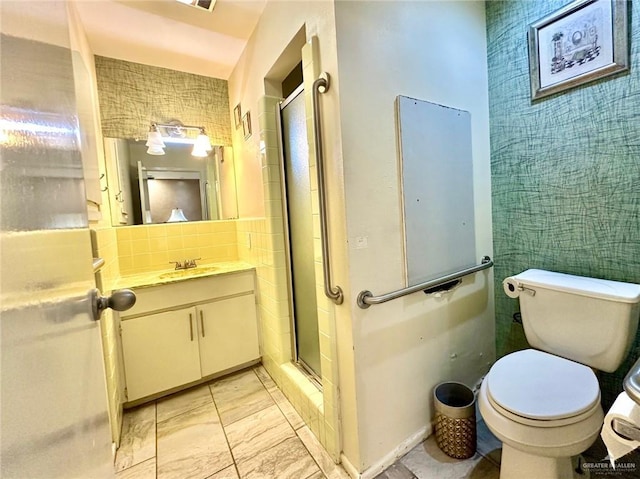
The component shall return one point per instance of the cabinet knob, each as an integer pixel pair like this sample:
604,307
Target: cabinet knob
120,300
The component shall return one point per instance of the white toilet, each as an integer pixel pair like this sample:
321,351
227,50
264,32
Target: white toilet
544,403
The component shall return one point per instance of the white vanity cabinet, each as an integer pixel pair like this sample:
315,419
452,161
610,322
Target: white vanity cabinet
227,333
159,353
182,332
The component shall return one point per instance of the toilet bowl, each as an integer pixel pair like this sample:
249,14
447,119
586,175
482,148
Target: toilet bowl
544,403
545,409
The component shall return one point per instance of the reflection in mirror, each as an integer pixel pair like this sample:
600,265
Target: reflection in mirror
147,189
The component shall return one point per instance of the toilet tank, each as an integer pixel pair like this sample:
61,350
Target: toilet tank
588,320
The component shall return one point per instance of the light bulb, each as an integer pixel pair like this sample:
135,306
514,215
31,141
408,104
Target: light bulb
199,152
202,144
206,142
154,138
155,150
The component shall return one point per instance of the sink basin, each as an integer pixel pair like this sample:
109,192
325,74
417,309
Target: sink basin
187,273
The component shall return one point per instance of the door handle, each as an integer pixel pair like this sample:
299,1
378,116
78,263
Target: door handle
202,322
191,325
120,300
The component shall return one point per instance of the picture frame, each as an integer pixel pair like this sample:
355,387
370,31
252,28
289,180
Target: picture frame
582,42
246,125
237,116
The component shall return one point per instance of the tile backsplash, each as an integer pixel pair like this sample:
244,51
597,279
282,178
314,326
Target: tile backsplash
153,247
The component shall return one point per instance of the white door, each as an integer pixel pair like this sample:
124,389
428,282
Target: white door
54,421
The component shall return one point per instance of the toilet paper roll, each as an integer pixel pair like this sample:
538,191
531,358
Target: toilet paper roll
626,409
510,286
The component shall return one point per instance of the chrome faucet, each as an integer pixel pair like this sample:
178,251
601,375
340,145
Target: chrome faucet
186,264
190,263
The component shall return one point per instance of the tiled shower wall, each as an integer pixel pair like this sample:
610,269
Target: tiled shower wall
265,249
262,243
565,171
133,95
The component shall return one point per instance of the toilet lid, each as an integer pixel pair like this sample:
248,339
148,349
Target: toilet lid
538,385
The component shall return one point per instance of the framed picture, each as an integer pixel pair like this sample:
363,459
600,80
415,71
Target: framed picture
246,125
237,116
582,42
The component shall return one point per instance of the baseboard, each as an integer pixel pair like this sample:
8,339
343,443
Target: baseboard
347,466
399,451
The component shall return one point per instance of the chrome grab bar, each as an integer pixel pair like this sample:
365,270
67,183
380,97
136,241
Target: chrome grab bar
321,85
366,298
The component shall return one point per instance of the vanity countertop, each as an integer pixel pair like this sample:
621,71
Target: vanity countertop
155,278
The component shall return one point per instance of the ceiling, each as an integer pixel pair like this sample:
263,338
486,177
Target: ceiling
169,34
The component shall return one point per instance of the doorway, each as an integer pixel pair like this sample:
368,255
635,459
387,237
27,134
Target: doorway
301,260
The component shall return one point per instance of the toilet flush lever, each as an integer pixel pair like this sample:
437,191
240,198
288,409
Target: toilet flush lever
530,291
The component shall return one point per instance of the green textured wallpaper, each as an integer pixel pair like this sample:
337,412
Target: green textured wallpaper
133,95
565,171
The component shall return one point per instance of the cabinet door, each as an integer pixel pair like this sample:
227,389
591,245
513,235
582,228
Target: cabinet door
160,352
228,333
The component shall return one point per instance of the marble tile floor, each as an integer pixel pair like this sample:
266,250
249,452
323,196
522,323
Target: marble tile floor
427,461
238,427
242,426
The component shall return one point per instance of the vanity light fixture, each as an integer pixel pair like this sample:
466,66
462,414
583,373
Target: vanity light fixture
176,132
154,141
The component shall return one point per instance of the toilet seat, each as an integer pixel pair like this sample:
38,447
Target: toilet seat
539,389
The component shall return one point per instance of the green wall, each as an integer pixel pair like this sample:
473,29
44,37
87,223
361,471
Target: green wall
132,96
565,171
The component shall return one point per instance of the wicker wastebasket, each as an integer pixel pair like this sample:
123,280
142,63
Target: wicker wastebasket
455,419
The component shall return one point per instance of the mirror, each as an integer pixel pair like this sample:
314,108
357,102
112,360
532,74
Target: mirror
147,189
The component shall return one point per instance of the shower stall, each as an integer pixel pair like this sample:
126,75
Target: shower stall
301,259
